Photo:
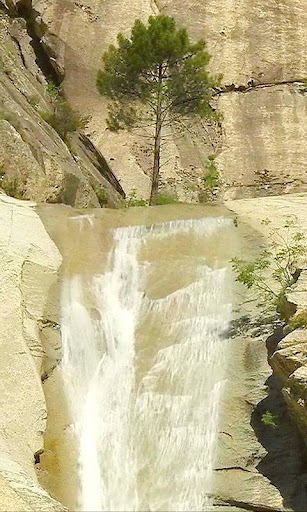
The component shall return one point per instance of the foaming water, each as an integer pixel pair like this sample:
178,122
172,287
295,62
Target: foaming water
144,377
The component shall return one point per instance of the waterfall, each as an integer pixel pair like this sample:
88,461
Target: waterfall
143,375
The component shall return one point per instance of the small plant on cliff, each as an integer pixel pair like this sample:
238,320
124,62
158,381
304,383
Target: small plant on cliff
63,118
102,196
12,186
134,200
275,269
269,419
52,90
155,78
212,177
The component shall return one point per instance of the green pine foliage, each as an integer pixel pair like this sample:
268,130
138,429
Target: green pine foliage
155,77
131,69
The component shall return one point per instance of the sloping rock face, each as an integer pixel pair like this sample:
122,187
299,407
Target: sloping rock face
257,468
29,267
35,162
289,357
258,46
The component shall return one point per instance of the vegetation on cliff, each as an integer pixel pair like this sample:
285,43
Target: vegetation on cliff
275,269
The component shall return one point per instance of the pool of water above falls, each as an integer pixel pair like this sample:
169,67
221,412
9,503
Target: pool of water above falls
144,355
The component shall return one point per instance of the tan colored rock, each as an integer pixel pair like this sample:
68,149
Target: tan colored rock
252,39
289,360
237,479
29,267
35,162
300,378
277,209
298,292
257,45
286,361
264,151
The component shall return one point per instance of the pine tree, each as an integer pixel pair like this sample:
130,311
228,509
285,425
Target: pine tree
159,74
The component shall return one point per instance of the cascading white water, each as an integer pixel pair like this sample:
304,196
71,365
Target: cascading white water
143,377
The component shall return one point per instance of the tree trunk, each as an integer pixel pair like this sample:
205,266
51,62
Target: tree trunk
157,148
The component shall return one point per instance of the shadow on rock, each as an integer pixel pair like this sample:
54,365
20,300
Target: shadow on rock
285,464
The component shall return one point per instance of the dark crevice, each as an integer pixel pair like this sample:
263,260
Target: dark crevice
249,506
20,51
251,86
48,374
37,456
231,468
43,60
98,160
285,464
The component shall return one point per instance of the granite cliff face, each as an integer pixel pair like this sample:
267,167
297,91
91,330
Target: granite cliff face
35,162
287,357
289,360
29,267
258,46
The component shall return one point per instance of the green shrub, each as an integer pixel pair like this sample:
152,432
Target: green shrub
52,89
63,119
11,187
165,199
274,270
212,178
102,195
133,200
269,419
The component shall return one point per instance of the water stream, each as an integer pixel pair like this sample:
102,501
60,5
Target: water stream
144,355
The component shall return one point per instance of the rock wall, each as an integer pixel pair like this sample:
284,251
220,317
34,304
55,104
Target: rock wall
289,360
35,163
289,357
29,267
258,46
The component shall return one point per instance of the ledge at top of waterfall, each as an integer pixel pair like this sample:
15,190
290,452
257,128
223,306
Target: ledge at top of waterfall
205,226
144,355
